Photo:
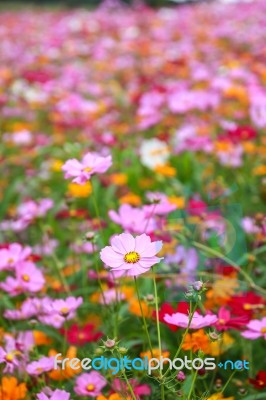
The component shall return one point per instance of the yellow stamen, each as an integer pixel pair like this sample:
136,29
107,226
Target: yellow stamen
87,169
132,257
263,330
25,278
9,357
90,388
64,311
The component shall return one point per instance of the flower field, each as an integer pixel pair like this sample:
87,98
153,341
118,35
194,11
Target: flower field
132,202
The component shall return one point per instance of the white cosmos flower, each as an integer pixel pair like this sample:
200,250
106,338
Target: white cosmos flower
154,153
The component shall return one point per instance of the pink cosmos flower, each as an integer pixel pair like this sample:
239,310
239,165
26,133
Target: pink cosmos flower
66,308
90,384
198,321
133,220
131,256
161,204
30,209
58,394
44,364
91,163
9,355
256,329
28,279
12,255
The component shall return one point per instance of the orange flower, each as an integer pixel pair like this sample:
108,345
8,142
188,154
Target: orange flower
41,338
134,308
165,170
75,190
130,198
155,354
118,179
68,372
11,390
177,201
195,341
260,170
114,396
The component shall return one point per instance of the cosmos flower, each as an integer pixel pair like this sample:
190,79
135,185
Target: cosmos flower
81,171
9,355
12,255
131,256
133,220
10,389
44,364
154,153
90,384
198,321
256,329
48,394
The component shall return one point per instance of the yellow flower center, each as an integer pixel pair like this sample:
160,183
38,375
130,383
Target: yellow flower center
90,388
87,169
10,261
222,321
263,330
25,278
132,257
9,357
64,311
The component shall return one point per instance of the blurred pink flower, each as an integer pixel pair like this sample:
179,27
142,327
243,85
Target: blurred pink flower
58,394
90,384
9,355
256,329
132,219
44,364
12,255
90,164
131,256
198,321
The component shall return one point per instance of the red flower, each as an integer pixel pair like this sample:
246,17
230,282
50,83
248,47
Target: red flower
241,133
246,303
260,381
196,207
80,335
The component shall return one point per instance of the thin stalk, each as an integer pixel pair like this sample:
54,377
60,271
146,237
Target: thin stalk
143,317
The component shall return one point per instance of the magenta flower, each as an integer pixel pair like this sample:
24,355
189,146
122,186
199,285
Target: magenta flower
256,329
58,394
44,364
198,321
91,163
90,384
131,256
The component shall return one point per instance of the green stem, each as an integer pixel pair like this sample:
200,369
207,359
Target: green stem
229,380
143,318
192,385
129,385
